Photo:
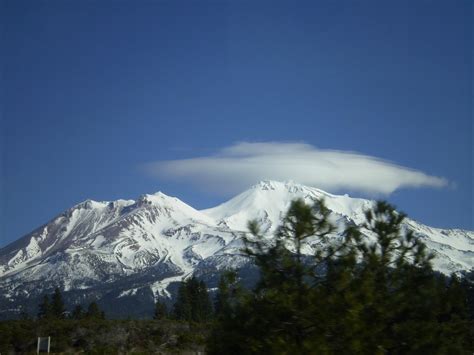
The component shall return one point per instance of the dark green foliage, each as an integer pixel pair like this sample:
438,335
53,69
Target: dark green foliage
45,310
229,292
161,311
24,315
94,312
193,302
96,336
56,309
467,283
204,310
182,306
53,309
77,312
57,304
377,295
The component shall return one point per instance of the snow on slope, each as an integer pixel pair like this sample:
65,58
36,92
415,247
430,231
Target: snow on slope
269,200
157,239
69,227
97,242
453,248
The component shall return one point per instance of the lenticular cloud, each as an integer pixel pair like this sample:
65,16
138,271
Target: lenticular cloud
236,167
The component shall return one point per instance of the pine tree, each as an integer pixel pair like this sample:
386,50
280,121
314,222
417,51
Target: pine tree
94,312
204,303
228,292
279,309
24,315
192,289
193,302
182,306
161,311
57,304
78,312
45,309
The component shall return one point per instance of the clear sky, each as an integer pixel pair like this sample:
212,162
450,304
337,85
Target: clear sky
93,91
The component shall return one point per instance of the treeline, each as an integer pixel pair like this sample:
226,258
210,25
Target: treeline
54,308
193,303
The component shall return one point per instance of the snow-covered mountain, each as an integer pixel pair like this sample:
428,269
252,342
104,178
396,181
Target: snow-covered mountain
122,249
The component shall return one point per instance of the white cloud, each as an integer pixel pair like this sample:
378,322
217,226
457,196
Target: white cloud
235,168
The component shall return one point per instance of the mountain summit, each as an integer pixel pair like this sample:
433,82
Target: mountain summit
118,250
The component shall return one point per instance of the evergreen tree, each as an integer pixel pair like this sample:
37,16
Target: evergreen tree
24,315
228,292
193,292
193,302
204,303
45,309
467,283
161,311
94,312
57,304
280,307
182,306
78,312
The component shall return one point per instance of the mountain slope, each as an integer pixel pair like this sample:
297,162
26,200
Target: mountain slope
123,249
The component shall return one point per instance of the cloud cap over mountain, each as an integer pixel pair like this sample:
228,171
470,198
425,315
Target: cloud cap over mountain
234,168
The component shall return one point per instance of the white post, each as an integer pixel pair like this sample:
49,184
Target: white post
40,347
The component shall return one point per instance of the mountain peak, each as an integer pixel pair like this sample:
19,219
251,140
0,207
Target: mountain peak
159,198
269,199
266,185
290,186
275,185
90,204
161,194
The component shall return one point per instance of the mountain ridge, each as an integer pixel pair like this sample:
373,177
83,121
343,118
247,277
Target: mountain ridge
126,246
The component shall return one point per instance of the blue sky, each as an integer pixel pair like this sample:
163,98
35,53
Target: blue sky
94,91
